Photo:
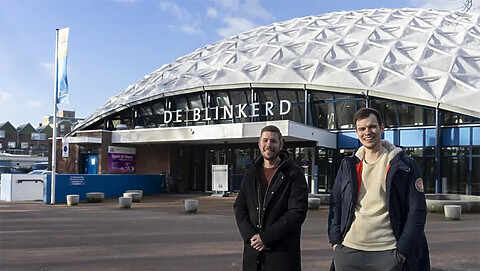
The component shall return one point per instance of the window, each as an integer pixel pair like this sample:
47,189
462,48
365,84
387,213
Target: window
39,136
24,145
2,134
269,96
345,112
62,128
410,114
12,144
388,110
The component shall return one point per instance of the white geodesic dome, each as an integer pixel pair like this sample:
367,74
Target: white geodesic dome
416,54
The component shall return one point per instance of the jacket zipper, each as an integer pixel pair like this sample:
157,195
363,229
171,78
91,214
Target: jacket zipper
265,196
351,211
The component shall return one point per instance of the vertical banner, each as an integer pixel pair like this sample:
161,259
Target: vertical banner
62,81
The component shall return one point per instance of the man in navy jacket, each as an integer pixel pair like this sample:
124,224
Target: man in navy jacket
377,206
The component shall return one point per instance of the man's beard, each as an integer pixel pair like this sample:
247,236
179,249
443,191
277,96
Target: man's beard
271,158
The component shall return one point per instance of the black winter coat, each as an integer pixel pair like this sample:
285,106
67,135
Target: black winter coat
406,207
277,217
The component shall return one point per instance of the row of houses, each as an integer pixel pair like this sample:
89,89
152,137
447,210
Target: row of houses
28,140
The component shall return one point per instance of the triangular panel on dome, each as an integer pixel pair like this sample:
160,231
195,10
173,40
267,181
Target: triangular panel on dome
338,64
349,46
275,72
472,38
373,52
420,23
462,96
466,65
415,34
359,31
315,50
396,18
381,37
305,69
467,81
364,71
433,59
413,51
339,78
297,48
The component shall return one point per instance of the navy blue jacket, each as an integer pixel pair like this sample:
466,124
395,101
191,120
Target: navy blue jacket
277,217
406,207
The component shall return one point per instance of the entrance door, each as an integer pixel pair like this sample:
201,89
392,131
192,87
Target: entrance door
243,160
90,164
198,183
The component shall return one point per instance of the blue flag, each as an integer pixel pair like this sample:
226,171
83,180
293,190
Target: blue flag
62,81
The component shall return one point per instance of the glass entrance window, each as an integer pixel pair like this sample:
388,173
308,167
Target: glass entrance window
476,176
326,170
243,160
455,170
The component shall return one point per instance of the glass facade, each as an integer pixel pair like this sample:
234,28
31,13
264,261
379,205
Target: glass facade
407,125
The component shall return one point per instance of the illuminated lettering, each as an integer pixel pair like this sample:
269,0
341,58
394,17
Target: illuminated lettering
268,109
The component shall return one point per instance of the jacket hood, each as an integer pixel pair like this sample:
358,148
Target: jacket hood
391,149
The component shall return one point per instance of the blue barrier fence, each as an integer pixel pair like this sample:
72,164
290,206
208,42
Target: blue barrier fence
111,185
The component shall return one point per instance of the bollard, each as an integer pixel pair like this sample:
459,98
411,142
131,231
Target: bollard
72,200
313,203
136,191
93,197
452,212
191,206
135,196
125,202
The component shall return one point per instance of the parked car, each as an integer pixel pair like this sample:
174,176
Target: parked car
40,166
9,170
37,171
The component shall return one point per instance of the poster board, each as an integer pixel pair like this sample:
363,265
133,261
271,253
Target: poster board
121,159
220,179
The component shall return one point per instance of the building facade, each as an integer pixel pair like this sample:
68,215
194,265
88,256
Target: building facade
308,76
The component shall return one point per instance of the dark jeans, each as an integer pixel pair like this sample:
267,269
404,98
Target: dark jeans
349,259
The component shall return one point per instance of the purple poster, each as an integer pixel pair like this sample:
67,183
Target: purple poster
121,163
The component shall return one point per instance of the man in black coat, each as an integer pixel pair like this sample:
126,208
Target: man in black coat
271,208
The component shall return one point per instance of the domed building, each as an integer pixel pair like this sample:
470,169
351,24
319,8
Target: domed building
419,67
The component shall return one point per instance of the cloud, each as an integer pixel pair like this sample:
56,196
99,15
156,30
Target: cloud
4,97
186,23
212,13
49,68
235,25
190,29
233,5
181,13
254,9
35,103
439,4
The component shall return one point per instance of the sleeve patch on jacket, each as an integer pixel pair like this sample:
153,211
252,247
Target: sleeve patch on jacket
419,185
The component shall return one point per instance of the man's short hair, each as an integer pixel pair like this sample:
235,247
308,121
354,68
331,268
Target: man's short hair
272,129
365,113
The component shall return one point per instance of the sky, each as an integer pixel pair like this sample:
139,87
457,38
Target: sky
114,43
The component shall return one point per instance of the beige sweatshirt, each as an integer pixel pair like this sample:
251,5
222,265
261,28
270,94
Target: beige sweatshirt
371,229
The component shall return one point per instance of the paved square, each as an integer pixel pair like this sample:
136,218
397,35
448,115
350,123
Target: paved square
156,234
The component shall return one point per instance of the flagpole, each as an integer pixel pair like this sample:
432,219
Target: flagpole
54,143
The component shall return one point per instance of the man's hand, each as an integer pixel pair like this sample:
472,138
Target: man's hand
257,243
334,246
